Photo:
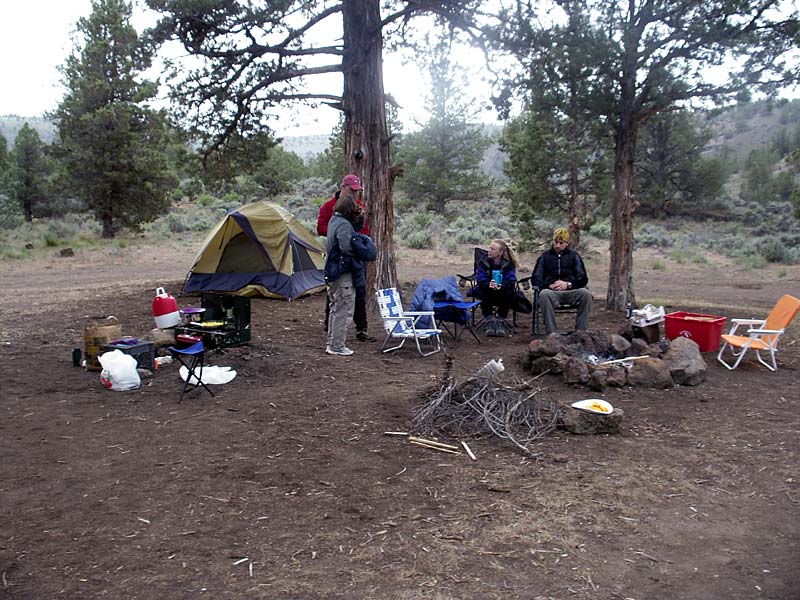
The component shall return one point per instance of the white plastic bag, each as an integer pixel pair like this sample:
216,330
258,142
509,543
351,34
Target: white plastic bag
210,376
119,371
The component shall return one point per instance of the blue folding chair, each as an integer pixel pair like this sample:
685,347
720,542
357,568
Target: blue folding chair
456,313
195,355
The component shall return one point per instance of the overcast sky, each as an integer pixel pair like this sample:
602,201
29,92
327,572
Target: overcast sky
35,38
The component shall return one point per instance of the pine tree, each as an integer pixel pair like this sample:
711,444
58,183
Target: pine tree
441,159
111,144
31,171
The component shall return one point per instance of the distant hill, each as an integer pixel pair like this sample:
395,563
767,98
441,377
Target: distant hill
752,126
11,124
305,146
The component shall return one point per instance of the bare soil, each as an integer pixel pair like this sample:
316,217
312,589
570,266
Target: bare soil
132,495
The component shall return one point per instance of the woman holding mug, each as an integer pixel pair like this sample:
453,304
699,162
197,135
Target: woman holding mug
496,279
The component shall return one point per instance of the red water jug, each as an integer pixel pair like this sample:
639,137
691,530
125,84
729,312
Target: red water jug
165,310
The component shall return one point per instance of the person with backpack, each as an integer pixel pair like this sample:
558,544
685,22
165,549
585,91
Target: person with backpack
351,186
345,254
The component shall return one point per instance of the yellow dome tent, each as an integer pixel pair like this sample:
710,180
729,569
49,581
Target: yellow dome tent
259,249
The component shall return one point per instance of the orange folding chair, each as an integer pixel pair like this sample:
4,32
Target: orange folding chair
762,334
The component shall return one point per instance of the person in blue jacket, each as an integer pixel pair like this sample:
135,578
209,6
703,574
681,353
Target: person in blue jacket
496,280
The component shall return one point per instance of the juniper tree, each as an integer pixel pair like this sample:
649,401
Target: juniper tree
251,57
111,144
654,55
30,168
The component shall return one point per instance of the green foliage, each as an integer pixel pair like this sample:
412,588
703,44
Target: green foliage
30,186
441,159
673,176
558,148
658,265
650,234
111,145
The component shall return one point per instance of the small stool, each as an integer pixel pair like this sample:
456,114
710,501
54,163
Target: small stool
195,354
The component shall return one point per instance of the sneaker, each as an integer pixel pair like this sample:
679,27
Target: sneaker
363,336
343,351
500,329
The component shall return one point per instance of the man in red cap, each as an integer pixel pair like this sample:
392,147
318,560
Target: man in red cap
351,186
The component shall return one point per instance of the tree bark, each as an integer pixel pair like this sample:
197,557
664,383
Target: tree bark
620,273
574,207
106,217
366,140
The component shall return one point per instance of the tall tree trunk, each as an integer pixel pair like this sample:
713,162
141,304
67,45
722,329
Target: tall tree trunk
366,140
574,207
106,217
620,272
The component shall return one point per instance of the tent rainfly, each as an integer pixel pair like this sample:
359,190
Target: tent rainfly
259,249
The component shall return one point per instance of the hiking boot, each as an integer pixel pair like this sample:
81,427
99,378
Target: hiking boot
491,327
343,351
363,336
500,329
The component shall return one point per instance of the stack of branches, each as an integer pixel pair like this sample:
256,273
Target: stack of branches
512,410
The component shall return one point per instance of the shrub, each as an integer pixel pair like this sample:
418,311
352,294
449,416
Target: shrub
653,235
658,265
601,229
451,246
419,240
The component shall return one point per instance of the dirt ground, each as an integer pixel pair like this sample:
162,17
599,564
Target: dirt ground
132,495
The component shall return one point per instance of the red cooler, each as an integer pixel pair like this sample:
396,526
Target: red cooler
705,330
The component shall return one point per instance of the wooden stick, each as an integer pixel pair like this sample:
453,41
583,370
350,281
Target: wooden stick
618,360
394,433
435,448
471,455
432,443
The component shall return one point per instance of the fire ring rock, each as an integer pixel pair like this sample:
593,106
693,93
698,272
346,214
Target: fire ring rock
686,364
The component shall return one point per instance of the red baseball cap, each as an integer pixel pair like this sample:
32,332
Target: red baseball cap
352,181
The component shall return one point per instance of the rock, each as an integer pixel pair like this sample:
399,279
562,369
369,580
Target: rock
551,345
649,333
685,363
618,345
535,348
582,340
650,373
576,370
617,375
28,246
553,364
638,348
66,252
598,380
581,422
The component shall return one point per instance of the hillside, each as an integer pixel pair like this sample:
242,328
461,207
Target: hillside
11,124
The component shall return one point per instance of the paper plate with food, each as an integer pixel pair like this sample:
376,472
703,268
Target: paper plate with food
594,405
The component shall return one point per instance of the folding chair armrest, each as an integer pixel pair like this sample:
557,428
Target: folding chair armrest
463,280
748,321
418,313
765,331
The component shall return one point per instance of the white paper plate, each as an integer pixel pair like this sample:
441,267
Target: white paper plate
594,405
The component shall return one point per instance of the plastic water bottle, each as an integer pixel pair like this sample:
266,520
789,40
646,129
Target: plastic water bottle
628,311
491,368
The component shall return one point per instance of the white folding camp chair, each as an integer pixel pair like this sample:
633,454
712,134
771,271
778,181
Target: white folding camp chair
404,325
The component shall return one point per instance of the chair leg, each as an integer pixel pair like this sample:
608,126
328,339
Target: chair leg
197,361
